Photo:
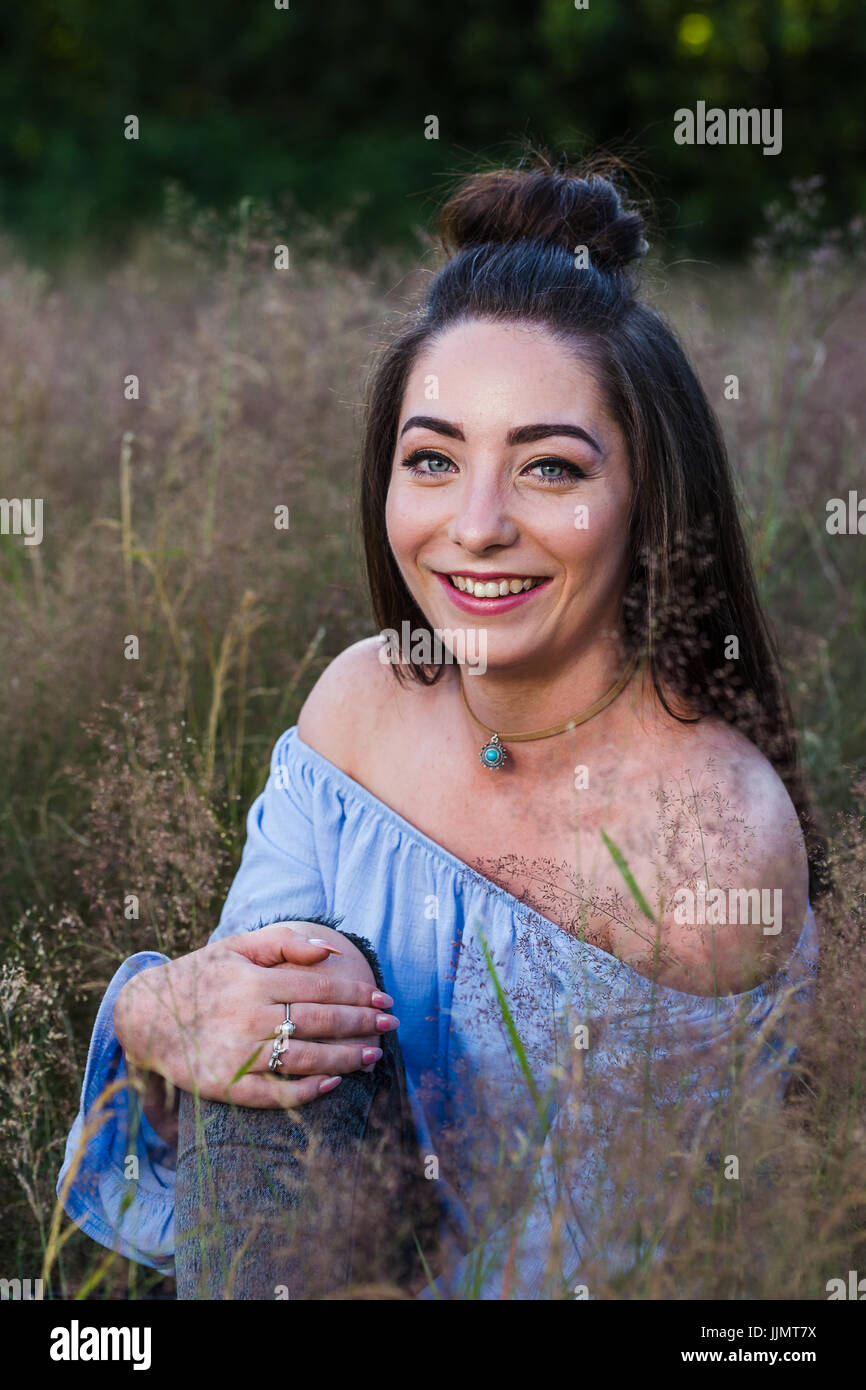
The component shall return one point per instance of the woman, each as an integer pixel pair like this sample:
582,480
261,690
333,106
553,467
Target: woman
573,856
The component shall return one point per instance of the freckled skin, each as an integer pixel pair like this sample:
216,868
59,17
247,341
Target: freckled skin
683,802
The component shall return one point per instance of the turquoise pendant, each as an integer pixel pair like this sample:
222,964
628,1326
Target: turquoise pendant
493,754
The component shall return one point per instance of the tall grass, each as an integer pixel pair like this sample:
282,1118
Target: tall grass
132,776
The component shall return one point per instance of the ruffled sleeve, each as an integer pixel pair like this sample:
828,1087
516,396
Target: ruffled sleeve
118,1177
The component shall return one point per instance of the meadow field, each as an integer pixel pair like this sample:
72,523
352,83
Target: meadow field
128,767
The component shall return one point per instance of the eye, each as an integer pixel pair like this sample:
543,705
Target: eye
439,464
557,470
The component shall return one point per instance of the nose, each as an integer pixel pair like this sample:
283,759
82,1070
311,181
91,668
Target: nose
481,519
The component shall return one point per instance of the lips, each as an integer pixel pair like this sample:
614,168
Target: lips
493,586
473,602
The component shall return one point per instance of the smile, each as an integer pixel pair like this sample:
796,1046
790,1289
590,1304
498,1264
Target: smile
495,587
496,593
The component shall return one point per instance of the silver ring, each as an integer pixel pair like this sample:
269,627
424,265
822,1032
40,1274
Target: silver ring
285,1031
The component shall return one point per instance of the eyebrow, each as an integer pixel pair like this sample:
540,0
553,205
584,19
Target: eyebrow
523,434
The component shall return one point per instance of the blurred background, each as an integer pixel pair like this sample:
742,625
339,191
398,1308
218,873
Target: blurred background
327,103
165,389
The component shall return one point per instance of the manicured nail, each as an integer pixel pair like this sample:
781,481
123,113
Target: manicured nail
385,1022
370,1054
329,1085
382,1001
317,941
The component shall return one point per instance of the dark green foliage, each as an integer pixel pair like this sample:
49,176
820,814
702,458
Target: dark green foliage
327,103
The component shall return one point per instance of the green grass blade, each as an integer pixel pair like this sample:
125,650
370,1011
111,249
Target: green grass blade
245,1068
511,1029
619,859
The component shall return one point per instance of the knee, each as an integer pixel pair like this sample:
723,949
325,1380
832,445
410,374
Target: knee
229,1133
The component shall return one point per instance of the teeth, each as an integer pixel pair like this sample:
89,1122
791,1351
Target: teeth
493,588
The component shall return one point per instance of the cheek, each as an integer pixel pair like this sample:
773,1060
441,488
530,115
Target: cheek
593,536
404,522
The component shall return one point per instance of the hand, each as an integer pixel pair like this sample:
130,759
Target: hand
203,1018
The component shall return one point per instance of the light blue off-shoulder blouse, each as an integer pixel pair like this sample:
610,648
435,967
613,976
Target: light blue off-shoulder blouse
320,844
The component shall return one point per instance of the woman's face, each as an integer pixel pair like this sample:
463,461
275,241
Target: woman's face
509,468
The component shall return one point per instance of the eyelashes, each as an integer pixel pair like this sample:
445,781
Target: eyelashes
571,472
411,463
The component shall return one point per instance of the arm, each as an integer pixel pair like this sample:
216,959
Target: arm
117,1178
166,1028
158,1100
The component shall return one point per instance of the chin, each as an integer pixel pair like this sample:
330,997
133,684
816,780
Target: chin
502,656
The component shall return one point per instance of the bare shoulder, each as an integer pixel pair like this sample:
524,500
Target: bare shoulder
350,700
731,867
737,794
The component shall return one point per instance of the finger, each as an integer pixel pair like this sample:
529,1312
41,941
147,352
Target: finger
343,1021
372,1040
284,983
332,1059
274,1092
366,1042
279,944
310,1055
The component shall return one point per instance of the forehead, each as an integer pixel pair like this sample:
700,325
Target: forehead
510,373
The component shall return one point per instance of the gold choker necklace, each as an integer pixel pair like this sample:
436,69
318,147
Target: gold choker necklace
494,752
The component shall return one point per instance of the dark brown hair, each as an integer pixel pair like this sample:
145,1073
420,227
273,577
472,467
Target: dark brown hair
553,246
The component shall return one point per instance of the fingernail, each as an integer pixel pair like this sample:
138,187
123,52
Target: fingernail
370,1054
317,941
329,1085
369,1069
384,1022
382,1001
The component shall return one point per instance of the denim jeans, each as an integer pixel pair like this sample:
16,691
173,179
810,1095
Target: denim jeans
326,1200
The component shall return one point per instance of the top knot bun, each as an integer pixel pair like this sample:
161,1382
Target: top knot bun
565,208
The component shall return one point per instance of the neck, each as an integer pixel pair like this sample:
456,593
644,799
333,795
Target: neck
519,701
